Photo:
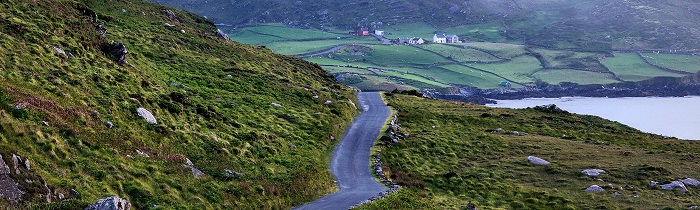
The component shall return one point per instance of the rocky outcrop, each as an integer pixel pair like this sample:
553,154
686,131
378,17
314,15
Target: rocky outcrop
222,35
147,115
690,182
117,51
9,188
189,165
537,161
110,203
593,172
675,185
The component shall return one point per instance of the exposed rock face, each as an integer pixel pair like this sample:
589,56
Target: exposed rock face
147,115
111,203
119,52
9,189
171,15
675,185
593,172
222,34
594,188
537,161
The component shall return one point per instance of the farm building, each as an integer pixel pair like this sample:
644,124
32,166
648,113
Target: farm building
400,41
378,33
416,41
363,32
505,84
445,38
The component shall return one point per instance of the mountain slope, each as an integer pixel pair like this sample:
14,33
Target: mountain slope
71,111
591,25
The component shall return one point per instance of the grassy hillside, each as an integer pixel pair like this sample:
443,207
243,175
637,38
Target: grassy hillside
71,110
455,154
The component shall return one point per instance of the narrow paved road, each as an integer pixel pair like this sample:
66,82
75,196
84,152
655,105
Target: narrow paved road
350,162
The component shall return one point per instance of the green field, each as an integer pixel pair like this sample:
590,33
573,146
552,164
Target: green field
574,76
410,30
398,56
519,69
564,59
301,47
459,53
501,49
477,79
249,37
688,63
630,67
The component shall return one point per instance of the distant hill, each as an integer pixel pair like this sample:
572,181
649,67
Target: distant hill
178,118
591,25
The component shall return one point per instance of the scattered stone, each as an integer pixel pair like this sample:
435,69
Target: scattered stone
653,183
537,161
675,185
328,102
74,194
635,196
60,51
44,123
123,10
594,188
182,31
515,133
617,193
26,165
433,126
498,129
593,172
147,115
222,34
9,189
110,203
17,161
276,105
693,207
352,103
61,196
196,172
233,173
109,124
142,154
229,76
119,52
168,25
690,181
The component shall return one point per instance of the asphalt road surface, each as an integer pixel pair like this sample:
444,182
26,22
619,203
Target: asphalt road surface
350,161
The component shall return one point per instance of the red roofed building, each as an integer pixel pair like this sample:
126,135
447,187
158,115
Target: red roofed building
363,32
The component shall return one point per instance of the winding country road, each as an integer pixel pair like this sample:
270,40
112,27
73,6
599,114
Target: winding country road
350,162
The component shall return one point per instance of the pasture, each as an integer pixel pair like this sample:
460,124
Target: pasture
460,53
574,76
687,63
630,67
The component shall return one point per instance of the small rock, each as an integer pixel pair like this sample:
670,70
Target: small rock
123,10
594,188
16,160
316,97
147,115
635,196
229,76
111,203
690,181
119,52
617,193
182,31
675,185
693,207
109,124
653,183
592,172
61,196
516,133
328,102
537,161
433,126
44,123
233,173
60,51
276,105
171,15
498,129
26,165
142,154
222,34
196,172
74,194
168,25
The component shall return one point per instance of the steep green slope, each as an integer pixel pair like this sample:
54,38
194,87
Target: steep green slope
455,153
592,25
69,109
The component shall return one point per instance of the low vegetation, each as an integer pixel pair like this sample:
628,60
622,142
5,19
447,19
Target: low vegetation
459,153
68,107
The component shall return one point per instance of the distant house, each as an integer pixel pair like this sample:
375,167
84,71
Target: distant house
505,84
378,33
400,41
446,38
416,41
363,32
439,38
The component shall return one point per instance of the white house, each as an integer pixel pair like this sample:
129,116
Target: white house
378,33
439,38
445,38
416,41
